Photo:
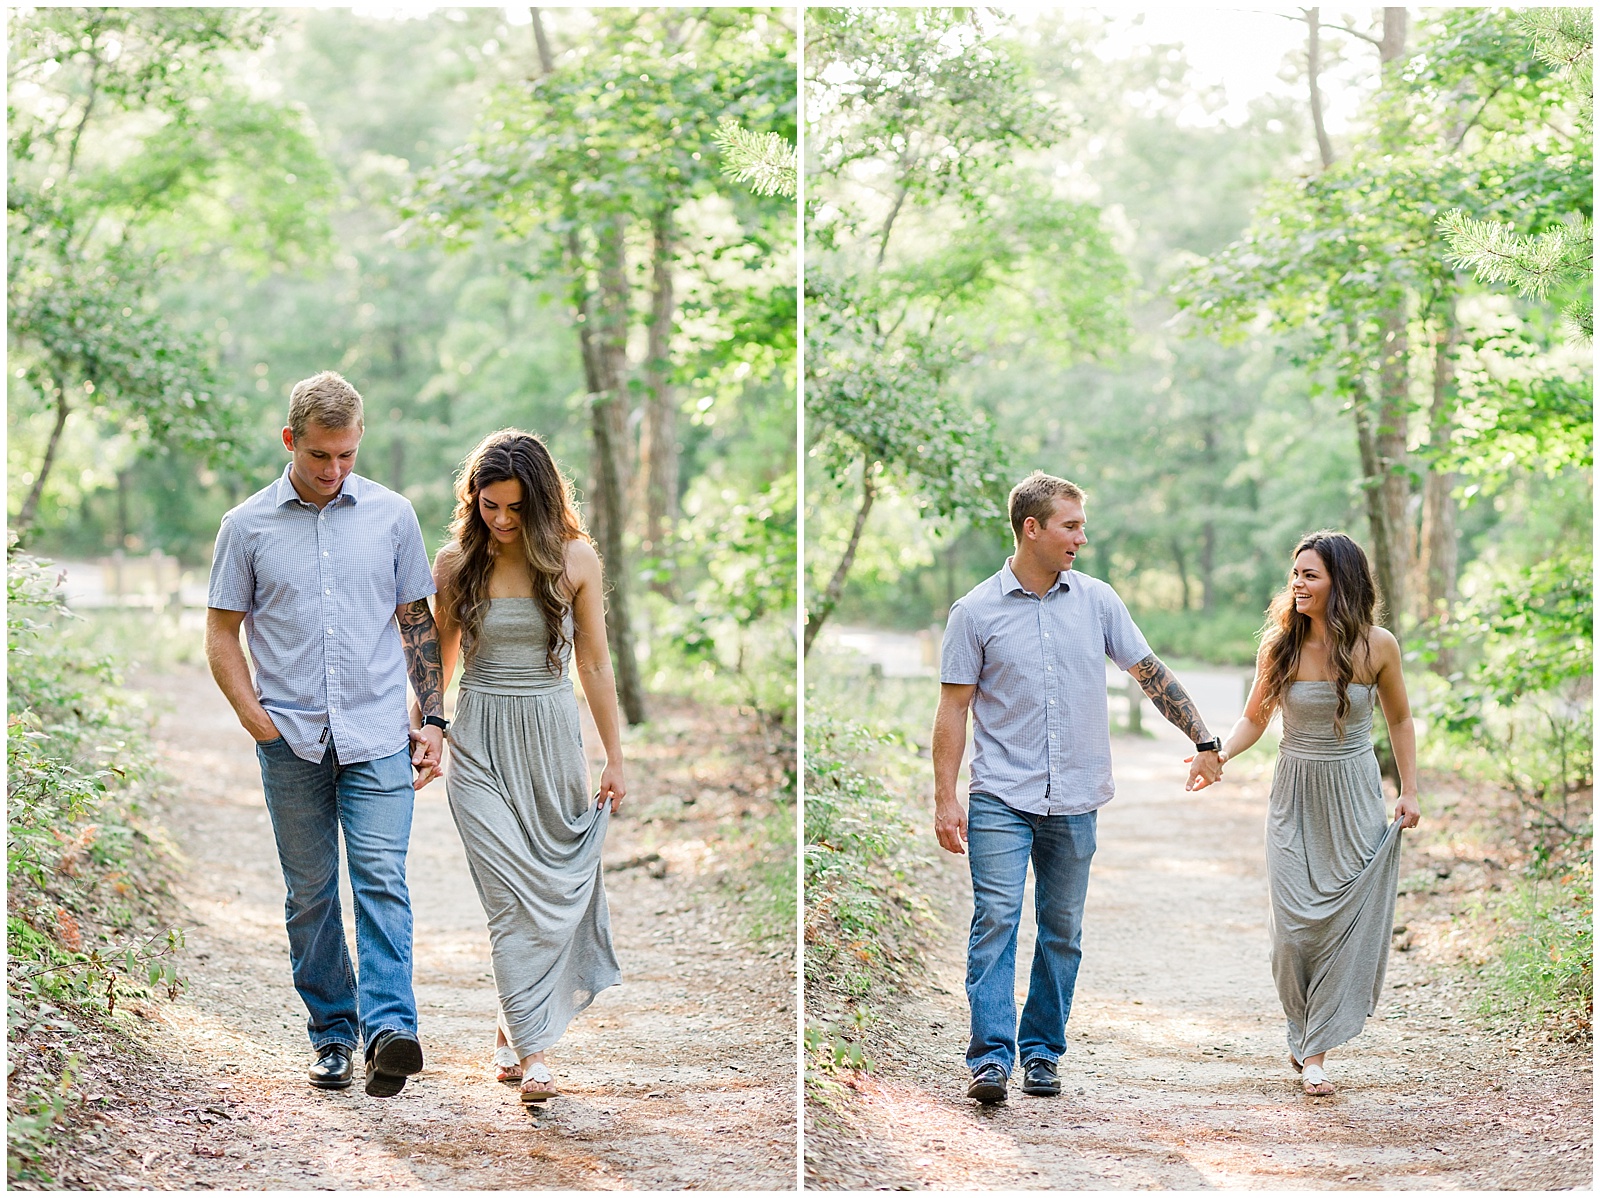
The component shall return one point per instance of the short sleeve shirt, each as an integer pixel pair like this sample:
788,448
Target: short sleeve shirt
1041,730
319,591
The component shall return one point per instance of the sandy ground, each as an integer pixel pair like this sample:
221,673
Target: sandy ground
682,1077
1175,1076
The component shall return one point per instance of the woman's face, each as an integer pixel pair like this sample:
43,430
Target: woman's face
1310,584
500,508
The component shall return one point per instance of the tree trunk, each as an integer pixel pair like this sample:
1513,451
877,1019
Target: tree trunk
830,597
1394,377
603,380
1183,571
30,505
1314,69
1208,561
658,447
1438,558
1377,515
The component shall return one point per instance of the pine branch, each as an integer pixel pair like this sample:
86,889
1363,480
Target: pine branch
764,162
1534,265
1563,39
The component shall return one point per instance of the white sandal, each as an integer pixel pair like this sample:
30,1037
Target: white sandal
505,1058
1314,1079
544,1082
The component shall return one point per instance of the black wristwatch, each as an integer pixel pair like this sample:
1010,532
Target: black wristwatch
1214,745
436,721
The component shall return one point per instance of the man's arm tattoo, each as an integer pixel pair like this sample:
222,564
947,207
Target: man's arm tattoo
421,641
1169,697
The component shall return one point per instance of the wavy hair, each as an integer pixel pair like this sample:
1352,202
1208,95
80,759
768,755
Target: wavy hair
1352,608
549,521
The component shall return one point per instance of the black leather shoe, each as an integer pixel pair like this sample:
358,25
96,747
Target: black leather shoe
988,1084
1039,1077
391,1058
333,1069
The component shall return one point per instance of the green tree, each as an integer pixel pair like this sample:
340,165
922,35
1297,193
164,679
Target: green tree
920,116
594,158
129,151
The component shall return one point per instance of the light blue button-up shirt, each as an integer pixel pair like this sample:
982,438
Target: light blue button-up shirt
1041,730
319,590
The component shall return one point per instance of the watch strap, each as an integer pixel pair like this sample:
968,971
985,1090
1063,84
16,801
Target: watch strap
436,721
1214,745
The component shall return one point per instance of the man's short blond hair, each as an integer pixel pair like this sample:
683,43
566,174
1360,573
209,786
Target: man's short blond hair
325,399
1036,496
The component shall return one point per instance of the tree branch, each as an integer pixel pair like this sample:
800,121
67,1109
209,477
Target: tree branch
830,598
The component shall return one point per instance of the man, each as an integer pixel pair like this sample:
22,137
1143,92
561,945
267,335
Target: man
1025,650
327,573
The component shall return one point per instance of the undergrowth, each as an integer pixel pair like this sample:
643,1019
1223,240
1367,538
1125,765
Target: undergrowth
1543,972
866,921
85,865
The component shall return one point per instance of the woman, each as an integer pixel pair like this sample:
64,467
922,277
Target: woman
1333,864
519,594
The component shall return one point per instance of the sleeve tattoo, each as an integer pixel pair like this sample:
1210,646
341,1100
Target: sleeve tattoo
1169,697
421,641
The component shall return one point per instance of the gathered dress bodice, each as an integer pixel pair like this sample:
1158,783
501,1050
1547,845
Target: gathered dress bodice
1308,727
508,655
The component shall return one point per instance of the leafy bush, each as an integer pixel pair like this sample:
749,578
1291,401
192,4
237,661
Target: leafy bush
864,917
83,884
1544,974
1525,703
730,639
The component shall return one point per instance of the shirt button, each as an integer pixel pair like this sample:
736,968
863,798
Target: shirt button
327,590
1052,701
333,711
1047,636
324,553
330,632
331,670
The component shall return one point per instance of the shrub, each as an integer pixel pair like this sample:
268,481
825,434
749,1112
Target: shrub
83,866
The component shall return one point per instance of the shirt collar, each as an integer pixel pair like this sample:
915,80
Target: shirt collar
1009,583
285,493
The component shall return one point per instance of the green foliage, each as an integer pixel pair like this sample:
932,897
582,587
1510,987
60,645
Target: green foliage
1543,973
1527,700
1224,636
921,118
764,162
729,637
131,156
82,864
1559,260
864,915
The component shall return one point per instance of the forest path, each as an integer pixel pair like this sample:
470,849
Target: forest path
682,1077
1176,1074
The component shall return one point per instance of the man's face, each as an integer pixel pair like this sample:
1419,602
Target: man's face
322,459
1056,542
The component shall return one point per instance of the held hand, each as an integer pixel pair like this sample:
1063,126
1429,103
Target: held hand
1408,811
1205,769
950,825
612,786
427,754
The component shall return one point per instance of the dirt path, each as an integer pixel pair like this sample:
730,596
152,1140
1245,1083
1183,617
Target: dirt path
683,1077
1175,1075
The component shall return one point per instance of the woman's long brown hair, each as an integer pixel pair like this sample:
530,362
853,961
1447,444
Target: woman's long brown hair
549,521
1352,607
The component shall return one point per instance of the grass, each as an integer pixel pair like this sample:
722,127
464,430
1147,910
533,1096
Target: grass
1543,972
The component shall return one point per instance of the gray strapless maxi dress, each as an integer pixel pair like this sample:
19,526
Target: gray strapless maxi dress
518,784
1333,866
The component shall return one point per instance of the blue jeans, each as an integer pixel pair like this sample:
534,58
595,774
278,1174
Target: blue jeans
372,801
1000,843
